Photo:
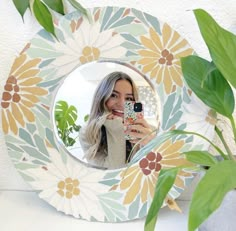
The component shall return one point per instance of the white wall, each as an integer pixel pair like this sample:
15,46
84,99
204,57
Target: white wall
14,35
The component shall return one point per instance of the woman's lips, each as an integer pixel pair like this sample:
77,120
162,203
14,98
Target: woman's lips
119,113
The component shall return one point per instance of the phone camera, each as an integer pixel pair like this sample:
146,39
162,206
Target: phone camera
138,107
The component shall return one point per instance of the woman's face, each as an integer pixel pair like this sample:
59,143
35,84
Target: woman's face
122,91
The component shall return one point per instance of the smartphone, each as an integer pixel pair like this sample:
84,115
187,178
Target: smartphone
132,111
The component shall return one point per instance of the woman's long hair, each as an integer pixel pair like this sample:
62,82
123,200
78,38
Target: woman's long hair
95,132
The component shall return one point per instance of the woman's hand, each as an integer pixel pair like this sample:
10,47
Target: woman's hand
115,127
141,131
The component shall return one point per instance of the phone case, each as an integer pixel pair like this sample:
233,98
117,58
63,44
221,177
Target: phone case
130,115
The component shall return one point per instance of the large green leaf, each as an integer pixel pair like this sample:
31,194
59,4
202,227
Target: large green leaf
165,182
65,115
210,191
208,84
56,5
42,13
21,6
221,44
203,158
43,16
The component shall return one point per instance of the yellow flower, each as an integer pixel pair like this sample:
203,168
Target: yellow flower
172,157
20,94
89,54
141,179
161,56
68,188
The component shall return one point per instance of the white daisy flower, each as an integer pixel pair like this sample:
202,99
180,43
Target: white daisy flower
200,119
70,187
86,44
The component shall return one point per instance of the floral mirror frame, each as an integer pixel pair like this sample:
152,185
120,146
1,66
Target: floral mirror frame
112,33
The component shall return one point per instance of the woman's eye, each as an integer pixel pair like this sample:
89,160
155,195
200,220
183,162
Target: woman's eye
113,95
130,99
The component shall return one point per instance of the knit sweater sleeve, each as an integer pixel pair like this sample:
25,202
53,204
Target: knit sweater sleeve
115,157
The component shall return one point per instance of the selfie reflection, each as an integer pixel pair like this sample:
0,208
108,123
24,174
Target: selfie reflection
104,113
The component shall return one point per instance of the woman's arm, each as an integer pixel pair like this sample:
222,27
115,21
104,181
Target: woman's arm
115,154
116,143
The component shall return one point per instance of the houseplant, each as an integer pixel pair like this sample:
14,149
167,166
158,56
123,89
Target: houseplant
212,82
43,10
65,117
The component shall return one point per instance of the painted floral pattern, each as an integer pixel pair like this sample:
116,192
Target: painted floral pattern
200,112
113,33
69,187
161,56
144,175
87,44
21,93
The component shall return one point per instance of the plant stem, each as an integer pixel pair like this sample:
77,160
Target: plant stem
203,137
231,118
219,133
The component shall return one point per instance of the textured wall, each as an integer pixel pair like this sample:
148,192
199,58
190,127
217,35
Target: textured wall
14,34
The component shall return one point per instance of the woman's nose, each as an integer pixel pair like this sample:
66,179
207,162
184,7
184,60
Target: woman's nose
121,102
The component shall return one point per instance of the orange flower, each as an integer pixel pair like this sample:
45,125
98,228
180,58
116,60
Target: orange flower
161,56
20,94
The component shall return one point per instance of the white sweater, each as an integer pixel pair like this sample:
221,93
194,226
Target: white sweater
115,156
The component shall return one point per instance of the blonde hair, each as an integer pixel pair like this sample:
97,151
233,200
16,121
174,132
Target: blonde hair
95,132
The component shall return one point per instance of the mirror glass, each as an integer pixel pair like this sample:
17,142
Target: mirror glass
75,95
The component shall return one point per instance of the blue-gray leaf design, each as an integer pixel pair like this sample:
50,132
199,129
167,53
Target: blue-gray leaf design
171,111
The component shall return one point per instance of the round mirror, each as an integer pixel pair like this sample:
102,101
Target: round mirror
74,98
141,44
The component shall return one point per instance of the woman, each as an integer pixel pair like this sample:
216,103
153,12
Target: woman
103,139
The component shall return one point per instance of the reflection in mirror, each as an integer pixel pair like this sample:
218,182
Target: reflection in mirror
89,113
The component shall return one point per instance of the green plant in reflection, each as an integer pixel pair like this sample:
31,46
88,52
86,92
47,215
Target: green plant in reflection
65,117
211,81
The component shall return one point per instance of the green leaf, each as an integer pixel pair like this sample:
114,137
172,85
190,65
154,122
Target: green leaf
181,132
165,182
76,127
208,84
210,191
70,141
21,6
79,7
56,5
201,157
65,115
221,44
43,16
86,117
